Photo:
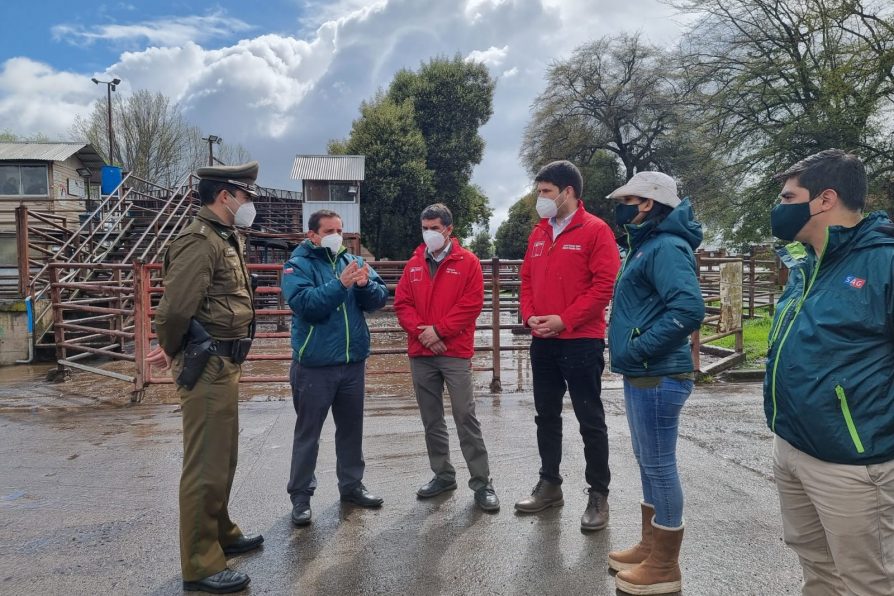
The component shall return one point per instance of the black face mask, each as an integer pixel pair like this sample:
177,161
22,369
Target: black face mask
786,220
624,214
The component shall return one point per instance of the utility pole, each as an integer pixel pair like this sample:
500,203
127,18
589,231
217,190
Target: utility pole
212,139
110,86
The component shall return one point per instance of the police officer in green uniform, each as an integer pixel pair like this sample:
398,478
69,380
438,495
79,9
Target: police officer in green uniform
206,281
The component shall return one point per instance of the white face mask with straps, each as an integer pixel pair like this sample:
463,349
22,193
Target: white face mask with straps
244,215
332,241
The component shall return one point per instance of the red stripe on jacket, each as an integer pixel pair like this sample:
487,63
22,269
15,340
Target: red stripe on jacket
451,300
572,275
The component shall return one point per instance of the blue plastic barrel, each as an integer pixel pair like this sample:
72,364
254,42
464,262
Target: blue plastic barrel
111,179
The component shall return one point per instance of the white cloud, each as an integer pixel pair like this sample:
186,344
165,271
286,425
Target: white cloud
492,56
279,95
35,98
170,31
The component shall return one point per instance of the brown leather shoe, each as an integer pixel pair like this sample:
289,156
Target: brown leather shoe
545,494
620,560
595,516
660,572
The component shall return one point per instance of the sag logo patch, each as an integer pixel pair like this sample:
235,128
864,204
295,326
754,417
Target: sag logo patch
854,281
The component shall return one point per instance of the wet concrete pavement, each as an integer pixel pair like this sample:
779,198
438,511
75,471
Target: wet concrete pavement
88,504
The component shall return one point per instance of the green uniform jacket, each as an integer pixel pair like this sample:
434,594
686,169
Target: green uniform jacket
829,388
205,277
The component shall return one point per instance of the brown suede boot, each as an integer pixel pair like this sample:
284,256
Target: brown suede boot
625,559
660,572
544,495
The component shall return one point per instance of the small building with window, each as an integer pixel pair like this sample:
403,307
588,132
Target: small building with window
54,178
57,179
331,182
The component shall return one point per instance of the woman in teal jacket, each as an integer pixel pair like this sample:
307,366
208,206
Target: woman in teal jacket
657,304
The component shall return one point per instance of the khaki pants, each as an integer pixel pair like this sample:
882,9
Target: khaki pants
839,519
210,447
429,376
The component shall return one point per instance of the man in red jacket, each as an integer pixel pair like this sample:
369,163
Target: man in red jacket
437,301
567,278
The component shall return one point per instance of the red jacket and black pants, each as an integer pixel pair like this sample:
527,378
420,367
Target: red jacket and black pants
571,275
451,300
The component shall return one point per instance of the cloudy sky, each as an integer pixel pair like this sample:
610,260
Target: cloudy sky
282,77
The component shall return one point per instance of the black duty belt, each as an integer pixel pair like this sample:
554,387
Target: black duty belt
225,347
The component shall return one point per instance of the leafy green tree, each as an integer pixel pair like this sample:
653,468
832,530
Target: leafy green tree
482,245
511,239
398,184
452,99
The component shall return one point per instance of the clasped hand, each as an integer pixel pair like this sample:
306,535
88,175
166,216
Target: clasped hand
430,339
354,275
546,326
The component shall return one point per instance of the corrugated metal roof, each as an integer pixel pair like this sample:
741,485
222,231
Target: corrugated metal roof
40,151
329,167
54,152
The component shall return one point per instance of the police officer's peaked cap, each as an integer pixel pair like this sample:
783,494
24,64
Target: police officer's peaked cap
242,176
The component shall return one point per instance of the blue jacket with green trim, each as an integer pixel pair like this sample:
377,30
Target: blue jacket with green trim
658,301
328,325
829,387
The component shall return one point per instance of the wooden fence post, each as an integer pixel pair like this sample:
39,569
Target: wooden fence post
731,300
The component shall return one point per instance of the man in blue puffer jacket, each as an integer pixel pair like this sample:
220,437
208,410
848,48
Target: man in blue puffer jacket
328,291
829,387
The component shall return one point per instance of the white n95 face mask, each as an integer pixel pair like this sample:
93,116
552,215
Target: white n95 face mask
332,242
546,208
245,215
433,240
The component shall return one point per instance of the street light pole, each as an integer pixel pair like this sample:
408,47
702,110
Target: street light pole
212,139
110,86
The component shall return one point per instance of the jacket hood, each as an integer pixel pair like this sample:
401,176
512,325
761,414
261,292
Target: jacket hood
873,230
679,222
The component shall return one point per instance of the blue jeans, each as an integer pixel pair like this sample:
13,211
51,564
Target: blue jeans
654,415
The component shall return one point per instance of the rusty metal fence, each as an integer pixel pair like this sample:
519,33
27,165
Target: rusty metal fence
113,318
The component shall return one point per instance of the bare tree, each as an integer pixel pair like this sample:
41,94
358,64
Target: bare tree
617,94
152,139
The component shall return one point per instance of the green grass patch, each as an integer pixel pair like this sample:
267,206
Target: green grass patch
754,336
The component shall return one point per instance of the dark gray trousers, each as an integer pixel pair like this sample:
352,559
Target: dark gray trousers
429,376
314,391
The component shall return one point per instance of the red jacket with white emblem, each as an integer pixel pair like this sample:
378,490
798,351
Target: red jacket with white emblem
451,300
571,275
